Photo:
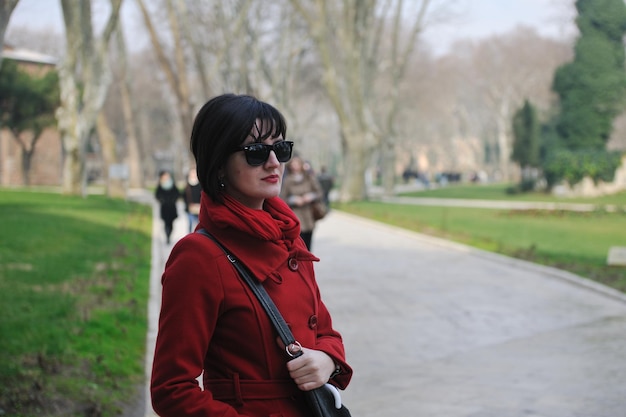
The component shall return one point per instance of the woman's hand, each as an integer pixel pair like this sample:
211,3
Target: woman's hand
309,197
311,370
302,200
296,201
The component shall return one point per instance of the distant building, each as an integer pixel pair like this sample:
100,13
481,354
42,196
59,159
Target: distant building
30,60
47,162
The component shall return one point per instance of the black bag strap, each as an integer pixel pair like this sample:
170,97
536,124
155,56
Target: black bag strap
292,347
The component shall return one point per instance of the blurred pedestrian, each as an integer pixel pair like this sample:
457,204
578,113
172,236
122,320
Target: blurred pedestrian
300,190
167,194
326,182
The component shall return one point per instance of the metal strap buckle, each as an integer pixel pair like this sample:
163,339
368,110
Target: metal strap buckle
293,349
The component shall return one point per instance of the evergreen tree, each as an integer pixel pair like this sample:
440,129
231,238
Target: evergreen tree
593,86
526,136
27,105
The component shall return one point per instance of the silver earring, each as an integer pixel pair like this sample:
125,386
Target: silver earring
222,185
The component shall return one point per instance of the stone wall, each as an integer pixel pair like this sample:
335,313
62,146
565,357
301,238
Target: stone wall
46,165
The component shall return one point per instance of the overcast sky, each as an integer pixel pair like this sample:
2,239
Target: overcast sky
482,18
474,19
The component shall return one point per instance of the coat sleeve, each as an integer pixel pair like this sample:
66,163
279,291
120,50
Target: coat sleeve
189,312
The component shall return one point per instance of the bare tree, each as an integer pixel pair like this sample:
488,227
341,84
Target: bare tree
6,9
501,72
114,181
223,53
134,149
242,46
451,123
154,114
174,68
84,81
348,36
435,118
115,128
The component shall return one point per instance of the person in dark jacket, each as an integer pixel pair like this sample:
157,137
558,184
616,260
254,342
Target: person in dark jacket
211,324
167,194
327,182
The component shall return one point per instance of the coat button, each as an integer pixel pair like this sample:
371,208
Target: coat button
293,264
313,322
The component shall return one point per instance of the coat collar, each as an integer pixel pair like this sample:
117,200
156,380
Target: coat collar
263,240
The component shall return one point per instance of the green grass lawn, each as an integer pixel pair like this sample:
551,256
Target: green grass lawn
577,242
499,192
74,277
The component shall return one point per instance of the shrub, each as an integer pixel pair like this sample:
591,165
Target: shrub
573,166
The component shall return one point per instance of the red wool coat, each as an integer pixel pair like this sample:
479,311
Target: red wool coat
211,322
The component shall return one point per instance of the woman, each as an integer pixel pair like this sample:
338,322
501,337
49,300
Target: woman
167,194
300,190
211,324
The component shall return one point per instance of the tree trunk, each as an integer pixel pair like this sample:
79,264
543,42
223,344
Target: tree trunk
134,157
399,60
115,184
6,9
347,36
175,73
27,141
353,185
502,124
27,158
85,64
67,116
388,157
73,170
134,161
357,155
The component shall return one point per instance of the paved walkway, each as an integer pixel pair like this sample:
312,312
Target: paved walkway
434,328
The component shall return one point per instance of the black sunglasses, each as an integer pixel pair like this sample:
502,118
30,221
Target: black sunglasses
258,153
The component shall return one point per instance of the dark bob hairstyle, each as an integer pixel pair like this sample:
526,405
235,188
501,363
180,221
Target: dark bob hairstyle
221,126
